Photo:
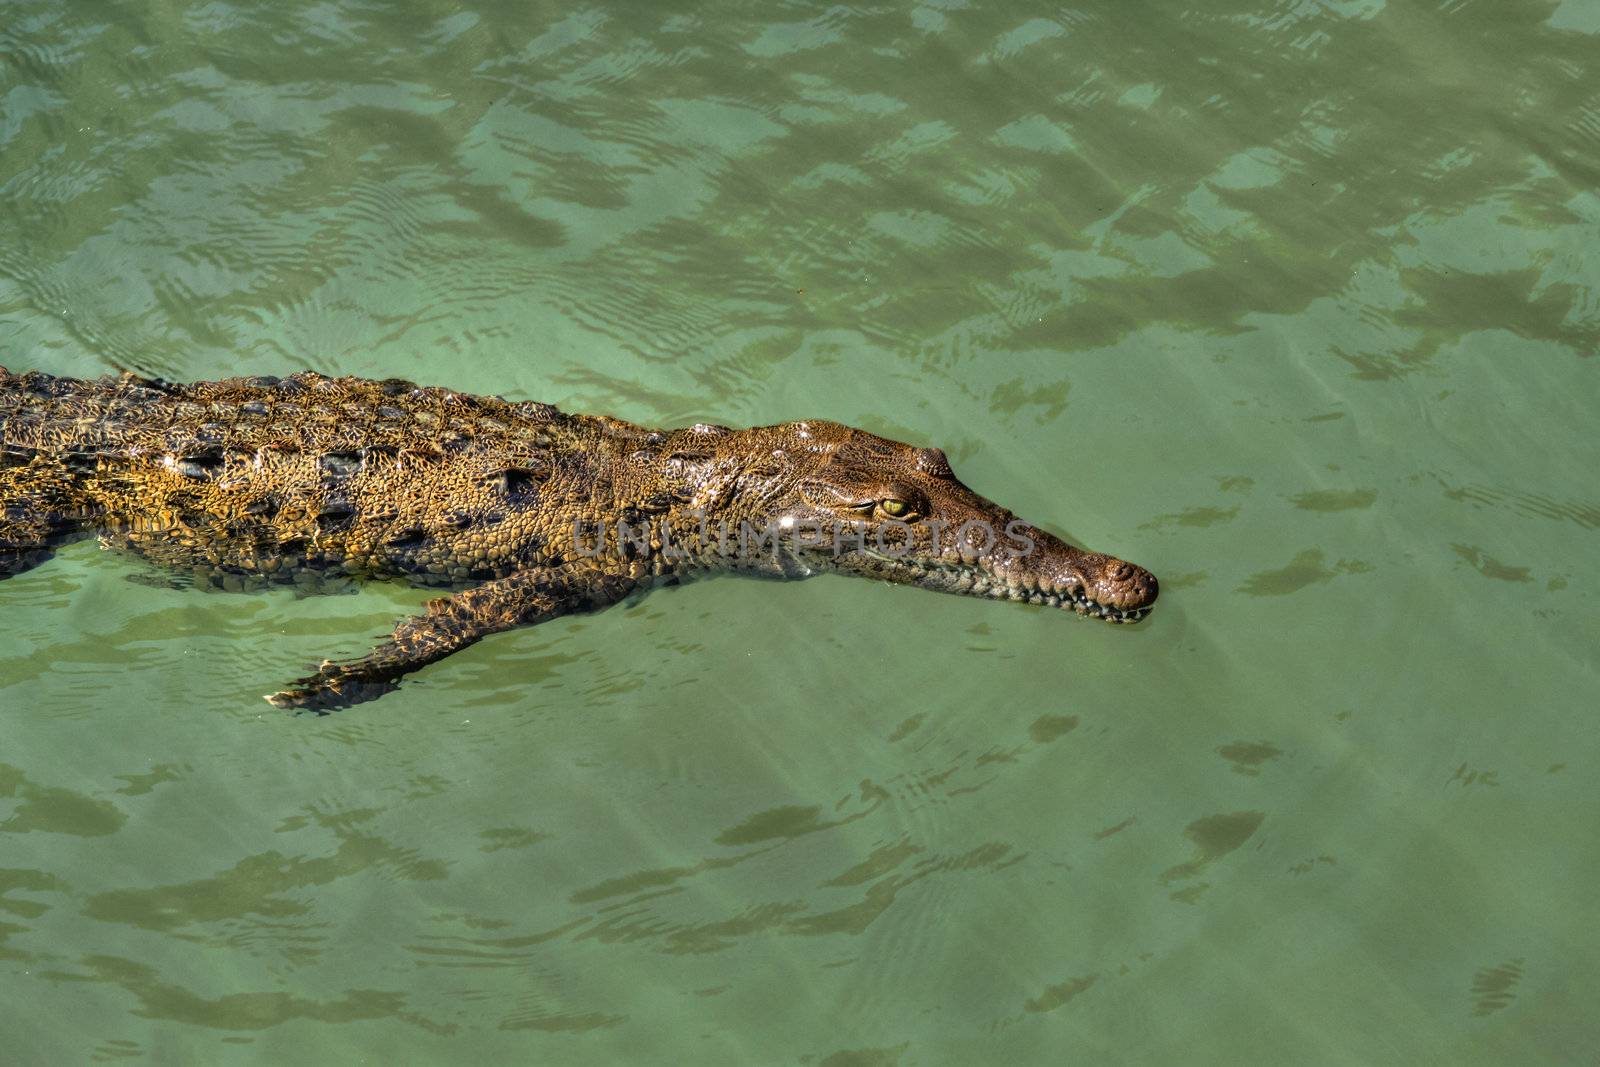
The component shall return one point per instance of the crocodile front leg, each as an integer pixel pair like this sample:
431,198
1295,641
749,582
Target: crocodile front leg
454,622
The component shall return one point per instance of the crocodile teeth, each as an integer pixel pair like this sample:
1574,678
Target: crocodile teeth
971,581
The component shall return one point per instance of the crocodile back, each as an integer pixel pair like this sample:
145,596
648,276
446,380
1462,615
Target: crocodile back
307,472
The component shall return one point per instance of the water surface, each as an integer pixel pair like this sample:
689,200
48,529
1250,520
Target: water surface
1296,304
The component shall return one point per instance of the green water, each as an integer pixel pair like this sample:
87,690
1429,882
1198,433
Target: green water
1297,304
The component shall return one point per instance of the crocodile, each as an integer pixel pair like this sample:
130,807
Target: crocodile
518,511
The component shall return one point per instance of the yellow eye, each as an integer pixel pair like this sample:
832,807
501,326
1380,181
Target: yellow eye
894,507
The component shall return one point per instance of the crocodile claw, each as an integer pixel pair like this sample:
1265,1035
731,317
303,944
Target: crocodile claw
331,689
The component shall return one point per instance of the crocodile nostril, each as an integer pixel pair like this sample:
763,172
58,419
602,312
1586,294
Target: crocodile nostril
1120,571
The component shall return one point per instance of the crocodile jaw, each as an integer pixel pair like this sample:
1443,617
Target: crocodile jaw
969,579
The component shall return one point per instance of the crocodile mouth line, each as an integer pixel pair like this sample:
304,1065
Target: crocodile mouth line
972,581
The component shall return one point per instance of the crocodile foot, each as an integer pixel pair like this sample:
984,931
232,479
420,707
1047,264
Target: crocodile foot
450,624
332,688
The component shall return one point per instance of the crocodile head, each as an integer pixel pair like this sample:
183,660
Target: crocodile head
855,503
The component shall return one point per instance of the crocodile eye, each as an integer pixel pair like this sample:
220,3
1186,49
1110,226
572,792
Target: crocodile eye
895,508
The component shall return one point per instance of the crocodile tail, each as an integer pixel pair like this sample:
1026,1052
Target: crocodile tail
38,512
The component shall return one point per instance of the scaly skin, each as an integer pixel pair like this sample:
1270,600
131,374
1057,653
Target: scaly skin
316,481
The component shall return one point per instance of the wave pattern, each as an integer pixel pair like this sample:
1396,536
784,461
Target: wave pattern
1298,302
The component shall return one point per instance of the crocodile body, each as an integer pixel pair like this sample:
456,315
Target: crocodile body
523,512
